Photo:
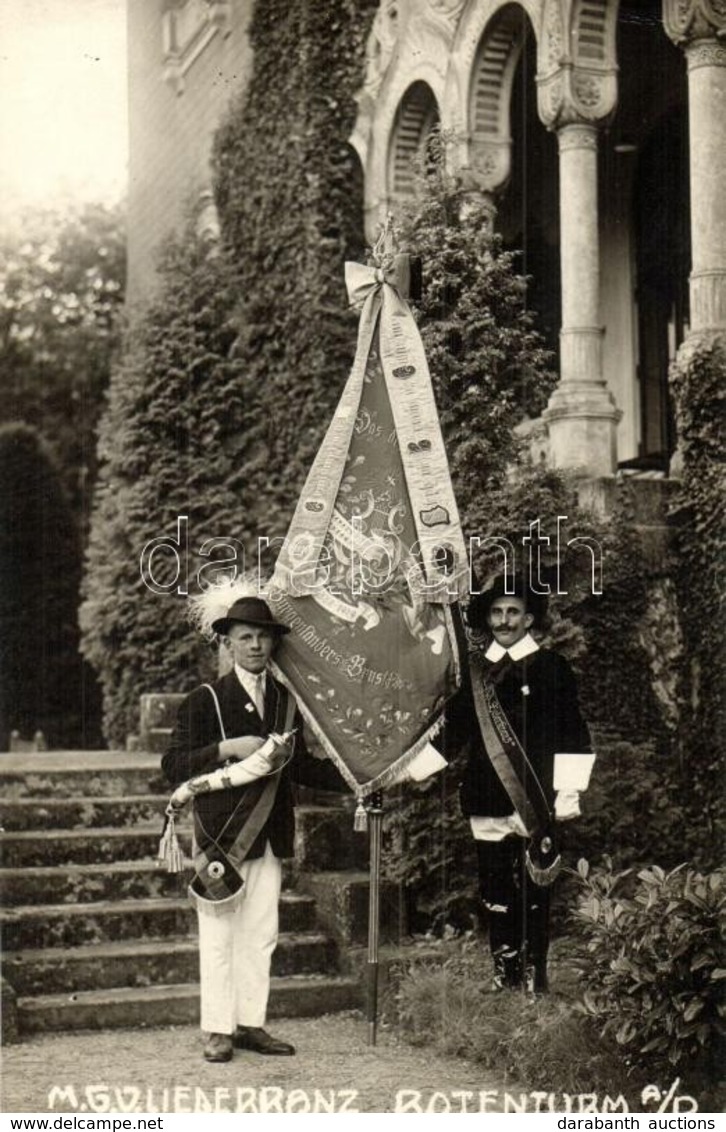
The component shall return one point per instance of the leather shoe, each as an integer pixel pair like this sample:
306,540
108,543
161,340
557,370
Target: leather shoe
258,1040
218,1047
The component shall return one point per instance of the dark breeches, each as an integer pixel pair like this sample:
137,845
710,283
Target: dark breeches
517,912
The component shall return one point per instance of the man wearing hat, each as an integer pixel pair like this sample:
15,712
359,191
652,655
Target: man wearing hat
242,833
529,757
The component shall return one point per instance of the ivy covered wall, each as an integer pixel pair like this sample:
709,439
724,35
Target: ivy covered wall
229,377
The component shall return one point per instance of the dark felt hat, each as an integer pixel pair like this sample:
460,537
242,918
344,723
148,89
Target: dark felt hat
506,585
252,611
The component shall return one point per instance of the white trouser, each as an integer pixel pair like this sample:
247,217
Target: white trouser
235,950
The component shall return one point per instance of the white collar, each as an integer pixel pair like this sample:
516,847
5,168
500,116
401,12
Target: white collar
521,648
251,681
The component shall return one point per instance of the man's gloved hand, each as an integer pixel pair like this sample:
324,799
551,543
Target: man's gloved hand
567,805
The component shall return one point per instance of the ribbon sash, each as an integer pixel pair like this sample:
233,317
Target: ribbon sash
508,756
222,880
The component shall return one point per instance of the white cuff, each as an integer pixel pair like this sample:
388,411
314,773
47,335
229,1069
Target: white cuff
572,772
428,761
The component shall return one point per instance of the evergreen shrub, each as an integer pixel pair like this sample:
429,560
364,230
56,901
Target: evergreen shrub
171,444
44,684
653,961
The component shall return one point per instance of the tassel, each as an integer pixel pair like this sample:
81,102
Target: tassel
170,855
360,821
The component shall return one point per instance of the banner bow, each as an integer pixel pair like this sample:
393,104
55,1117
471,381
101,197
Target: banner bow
362,281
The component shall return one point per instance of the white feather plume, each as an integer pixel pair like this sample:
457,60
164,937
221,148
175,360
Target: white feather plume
214,602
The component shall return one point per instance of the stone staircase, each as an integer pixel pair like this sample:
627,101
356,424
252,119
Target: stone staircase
96,935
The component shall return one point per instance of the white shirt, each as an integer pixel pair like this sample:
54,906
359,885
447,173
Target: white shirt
254,684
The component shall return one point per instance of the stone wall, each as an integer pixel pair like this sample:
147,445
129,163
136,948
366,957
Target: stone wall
177,93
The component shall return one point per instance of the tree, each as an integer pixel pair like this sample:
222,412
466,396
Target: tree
488,361
43,682
61,290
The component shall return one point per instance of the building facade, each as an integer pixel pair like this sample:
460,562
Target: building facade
592,129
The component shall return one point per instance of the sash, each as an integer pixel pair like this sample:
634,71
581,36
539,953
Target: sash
519,779
217,884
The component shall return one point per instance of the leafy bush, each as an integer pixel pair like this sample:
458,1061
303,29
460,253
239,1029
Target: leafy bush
632,810
653,959
487,359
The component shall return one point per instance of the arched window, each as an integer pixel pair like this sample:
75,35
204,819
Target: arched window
417,115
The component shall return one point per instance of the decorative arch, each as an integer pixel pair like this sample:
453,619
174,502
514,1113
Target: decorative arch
484,59
489,96
417,114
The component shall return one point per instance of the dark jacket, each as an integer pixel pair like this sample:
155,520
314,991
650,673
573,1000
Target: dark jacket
539,696
193,750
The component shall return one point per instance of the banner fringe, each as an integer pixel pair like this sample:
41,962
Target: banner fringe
380,781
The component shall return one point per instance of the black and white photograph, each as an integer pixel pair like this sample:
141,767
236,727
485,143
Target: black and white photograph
362,681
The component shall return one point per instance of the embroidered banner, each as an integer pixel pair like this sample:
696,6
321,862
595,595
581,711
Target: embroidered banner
374,556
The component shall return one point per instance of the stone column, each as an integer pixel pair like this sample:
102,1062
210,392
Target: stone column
707,133
699,26
581,416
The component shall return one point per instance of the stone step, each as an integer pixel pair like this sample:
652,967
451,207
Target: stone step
178,1004
23,850
341,900
70,774
324,837
73,925
81,884
25,814
73,884
142,963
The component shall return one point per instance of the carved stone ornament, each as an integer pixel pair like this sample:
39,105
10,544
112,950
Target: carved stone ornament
575,136
449,9
686,20
572,95
706,53
491,164
187,27
587,90
381,44
554,36
430,31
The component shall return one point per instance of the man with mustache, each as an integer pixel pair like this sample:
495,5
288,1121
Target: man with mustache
528,748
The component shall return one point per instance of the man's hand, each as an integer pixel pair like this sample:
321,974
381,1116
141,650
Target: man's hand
239,748
567,805
282,749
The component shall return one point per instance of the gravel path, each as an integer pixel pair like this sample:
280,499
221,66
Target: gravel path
162,1070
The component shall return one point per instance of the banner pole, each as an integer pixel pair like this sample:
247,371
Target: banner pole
375,821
